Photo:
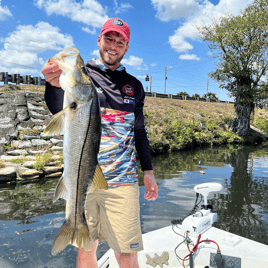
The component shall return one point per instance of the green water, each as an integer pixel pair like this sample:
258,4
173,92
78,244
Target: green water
29,221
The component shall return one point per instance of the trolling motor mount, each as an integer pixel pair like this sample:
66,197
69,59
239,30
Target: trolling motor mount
203,219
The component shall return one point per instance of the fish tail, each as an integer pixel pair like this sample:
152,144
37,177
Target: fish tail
79,238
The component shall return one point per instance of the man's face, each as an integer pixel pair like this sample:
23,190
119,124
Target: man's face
112,47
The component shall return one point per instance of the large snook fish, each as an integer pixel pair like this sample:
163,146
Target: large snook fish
80,122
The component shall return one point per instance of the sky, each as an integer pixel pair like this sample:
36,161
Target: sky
164,39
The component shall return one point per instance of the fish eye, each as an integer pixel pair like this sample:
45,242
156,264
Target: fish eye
73,105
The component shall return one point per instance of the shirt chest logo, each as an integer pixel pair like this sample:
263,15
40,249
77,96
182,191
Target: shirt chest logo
129,90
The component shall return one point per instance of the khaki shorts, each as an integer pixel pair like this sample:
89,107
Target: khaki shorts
113,216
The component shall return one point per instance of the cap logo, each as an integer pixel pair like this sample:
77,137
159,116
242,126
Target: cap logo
118,22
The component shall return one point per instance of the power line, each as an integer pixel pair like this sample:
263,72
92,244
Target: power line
186,75
181,67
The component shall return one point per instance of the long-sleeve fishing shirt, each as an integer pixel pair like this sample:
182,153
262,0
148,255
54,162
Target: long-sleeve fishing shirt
121,98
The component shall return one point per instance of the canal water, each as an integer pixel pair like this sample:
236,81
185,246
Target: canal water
29,221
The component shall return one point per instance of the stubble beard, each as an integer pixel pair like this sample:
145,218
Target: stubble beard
114,63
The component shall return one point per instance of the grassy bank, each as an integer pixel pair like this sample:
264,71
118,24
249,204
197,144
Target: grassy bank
175,125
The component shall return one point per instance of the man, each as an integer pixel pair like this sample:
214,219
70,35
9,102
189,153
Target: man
113,215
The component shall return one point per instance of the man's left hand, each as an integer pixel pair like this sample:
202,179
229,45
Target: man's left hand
150,185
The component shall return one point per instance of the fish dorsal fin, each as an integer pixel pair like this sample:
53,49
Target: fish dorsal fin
99,180
57,123
61,190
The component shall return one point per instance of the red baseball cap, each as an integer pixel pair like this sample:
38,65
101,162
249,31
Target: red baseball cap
116,25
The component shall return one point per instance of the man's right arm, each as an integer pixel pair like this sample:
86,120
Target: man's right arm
54,98
53,93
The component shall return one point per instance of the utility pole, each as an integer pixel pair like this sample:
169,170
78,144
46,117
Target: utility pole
207,86
165,79
149,79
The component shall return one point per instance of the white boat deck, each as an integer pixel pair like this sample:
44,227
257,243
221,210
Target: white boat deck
236,250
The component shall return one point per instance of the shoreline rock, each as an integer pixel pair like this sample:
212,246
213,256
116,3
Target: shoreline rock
23,117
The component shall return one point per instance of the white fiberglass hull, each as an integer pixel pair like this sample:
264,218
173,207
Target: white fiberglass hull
237,252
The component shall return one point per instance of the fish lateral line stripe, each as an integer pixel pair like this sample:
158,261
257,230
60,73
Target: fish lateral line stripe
82,151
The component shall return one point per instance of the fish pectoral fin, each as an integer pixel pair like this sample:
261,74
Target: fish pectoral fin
79,238
99,180
61,191
57,123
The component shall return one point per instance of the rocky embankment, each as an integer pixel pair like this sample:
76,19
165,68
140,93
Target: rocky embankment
27,154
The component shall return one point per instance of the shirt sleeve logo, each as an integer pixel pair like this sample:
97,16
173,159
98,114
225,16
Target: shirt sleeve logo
129,90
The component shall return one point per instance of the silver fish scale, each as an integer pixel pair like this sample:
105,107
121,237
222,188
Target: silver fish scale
74,138
81,128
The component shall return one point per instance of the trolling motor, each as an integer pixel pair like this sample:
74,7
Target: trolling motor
197,223
203,219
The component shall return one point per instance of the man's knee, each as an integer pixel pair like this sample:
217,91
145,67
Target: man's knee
126,258
126,255
87,259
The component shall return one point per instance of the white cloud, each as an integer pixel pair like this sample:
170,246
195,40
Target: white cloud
174,9
4,12
23,46
87,30
189,57
178,42
135,62
122,8
89,12
193,13
153,64
141,76
95,53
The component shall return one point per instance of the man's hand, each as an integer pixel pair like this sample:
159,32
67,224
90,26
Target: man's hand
150,185
52,72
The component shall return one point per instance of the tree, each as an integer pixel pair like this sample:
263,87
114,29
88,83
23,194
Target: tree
262,94
196,96
241,47
183,94
211,96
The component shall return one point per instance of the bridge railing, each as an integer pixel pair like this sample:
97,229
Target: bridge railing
18,79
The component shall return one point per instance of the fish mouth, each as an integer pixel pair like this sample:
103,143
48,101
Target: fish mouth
111,53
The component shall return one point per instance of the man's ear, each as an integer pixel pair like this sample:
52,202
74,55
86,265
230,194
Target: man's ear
98,40
126,49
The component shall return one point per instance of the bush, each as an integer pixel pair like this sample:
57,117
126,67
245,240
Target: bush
262,125
19,160
168,130
41,161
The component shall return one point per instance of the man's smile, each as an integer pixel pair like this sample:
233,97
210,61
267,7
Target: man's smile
109,52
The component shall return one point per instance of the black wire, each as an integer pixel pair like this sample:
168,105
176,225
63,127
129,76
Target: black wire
177,233
179,221
179,243
193,211
177,247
